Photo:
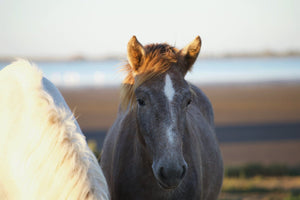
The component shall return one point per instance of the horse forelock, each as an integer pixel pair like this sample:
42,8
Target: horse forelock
158,59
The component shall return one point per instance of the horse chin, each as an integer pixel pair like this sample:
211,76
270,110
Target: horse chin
164,186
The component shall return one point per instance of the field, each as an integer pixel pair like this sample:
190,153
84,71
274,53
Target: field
261,188
240,107
233,104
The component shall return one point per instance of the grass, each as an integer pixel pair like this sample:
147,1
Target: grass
251,196
259,187
253,170
261,182
94,147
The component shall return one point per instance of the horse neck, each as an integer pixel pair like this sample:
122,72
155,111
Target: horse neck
58,162
133,132
45,156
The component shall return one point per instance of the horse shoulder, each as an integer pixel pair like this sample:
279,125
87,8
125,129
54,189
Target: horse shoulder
211,157
110,146
118,152
114,133
111,139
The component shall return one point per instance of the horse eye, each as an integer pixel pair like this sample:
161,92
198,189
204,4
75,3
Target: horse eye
188,102
141,102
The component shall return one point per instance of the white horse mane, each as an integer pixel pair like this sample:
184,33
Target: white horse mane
43,154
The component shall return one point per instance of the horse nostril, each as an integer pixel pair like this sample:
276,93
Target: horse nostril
161,173
183,171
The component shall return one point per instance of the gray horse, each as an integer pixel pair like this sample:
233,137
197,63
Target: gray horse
162,144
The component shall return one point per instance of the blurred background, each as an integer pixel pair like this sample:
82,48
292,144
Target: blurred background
249,67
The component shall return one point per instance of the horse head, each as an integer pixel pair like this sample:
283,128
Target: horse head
161,98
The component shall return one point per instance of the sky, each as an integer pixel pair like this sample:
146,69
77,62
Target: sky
98,28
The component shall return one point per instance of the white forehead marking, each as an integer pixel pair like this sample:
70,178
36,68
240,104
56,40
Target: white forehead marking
169,92
170,134
169,89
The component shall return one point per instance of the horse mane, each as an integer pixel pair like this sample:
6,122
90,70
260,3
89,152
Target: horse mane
158,59
42,153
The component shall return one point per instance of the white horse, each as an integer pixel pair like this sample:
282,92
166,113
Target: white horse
43,153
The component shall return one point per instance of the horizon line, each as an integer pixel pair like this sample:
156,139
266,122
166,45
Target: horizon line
82,57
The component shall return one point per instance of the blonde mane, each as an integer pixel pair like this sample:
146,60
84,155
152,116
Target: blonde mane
43,153
158,59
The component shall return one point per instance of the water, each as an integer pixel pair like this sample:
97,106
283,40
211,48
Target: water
205,71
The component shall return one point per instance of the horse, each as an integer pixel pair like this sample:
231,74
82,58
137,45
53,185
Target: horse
43,153
162,144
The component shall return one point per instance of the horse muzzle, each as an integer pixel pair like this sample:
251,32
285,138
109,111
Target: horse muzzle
169,174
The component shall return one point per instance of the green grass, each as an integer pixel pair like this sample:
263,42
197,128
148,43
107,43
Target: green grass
94,147
252,170
261,188
292,197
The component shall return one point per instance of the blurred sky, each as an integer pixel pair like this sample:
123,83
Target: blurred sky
93,28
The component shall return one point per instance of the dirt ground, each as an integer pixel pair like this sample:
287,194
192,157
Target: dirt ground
270,152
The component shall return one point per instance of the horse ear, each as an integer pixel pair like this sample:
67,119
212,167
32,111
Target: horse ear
190,53
135,53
